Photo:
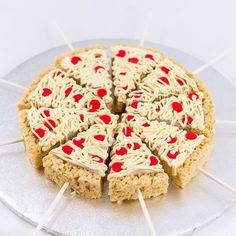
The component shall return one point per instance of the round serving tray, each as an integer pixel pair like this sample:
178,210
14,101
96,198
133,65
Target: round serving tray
28,194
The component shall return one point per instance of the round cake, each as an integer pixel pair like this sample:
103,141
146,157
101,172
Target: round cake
136,119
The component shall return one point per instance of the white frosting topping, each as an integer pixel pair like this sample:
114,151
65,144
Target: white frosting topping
88,149
129,156
185,110
172,144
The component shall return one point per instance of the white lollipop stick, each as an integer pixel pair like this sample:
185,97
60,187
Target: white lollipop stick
146,213
49,213
3,143
13,84
226,122
146,27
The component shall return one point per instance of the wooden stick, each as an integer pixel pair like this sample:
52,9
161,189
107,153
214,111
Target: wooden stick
49,213
3,143
13,84
146,213
146,27
215,59
217,180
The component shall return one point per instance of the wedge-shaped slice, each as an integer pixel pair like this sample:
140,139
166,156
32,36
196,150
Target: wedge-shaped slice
134,167
130,65
184,110
54,89
181,152
44,129
81,161
167,79
90,68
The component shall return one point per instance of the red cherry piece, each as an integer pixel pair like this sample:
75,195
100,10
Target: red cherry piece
117,166
105,118
191,136
74,60
121,53
136,146
146,124
94,105
153,161
46,92
127,131
99,137
177,106
50,124
164,80
46,113
101,92
97,55
193,96
189,120
133,60
172,140
40,132
68,91
134,104
122,73
67,149
81,117
99,67
97,158
78,142
181,82
149,56
121,152
77,97
164,69
129,117
172,155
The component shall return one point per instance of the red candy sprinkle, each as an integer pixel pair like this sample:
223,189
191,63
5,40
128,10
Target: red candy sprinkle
180,82
165,70
77,97
127,131
133,60
74,60
189,120
172,155
97,55
149,56
99,137
122,151
101,92
79,142
97,158
46,92
81,117
68,91
177,106
158,108
146,124
172,140
122,73
191,136
162,80
99,67
129,117
94,105
121,53
40,132
117,166
50,124
125,87
134,104
129,145
46,113
153,161
193,95
136,146
67,149
105,118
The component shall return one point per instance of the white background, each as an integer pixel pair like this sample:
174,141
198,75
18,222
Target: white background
202,28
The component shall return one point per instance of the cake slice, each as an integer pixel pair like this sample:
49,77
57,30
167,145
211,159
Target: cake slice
129,65
184,110
181,152
81,161
134,167
90,68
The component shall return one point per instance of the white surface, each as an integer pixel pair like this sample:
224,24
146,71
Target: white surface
202,28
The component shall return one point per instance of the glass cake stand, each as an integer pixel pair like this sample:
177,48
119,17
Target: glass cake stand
28,194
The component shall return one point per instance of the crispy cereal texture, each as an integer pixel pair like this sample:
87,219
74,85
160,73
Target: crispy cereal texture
82,181
150,184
